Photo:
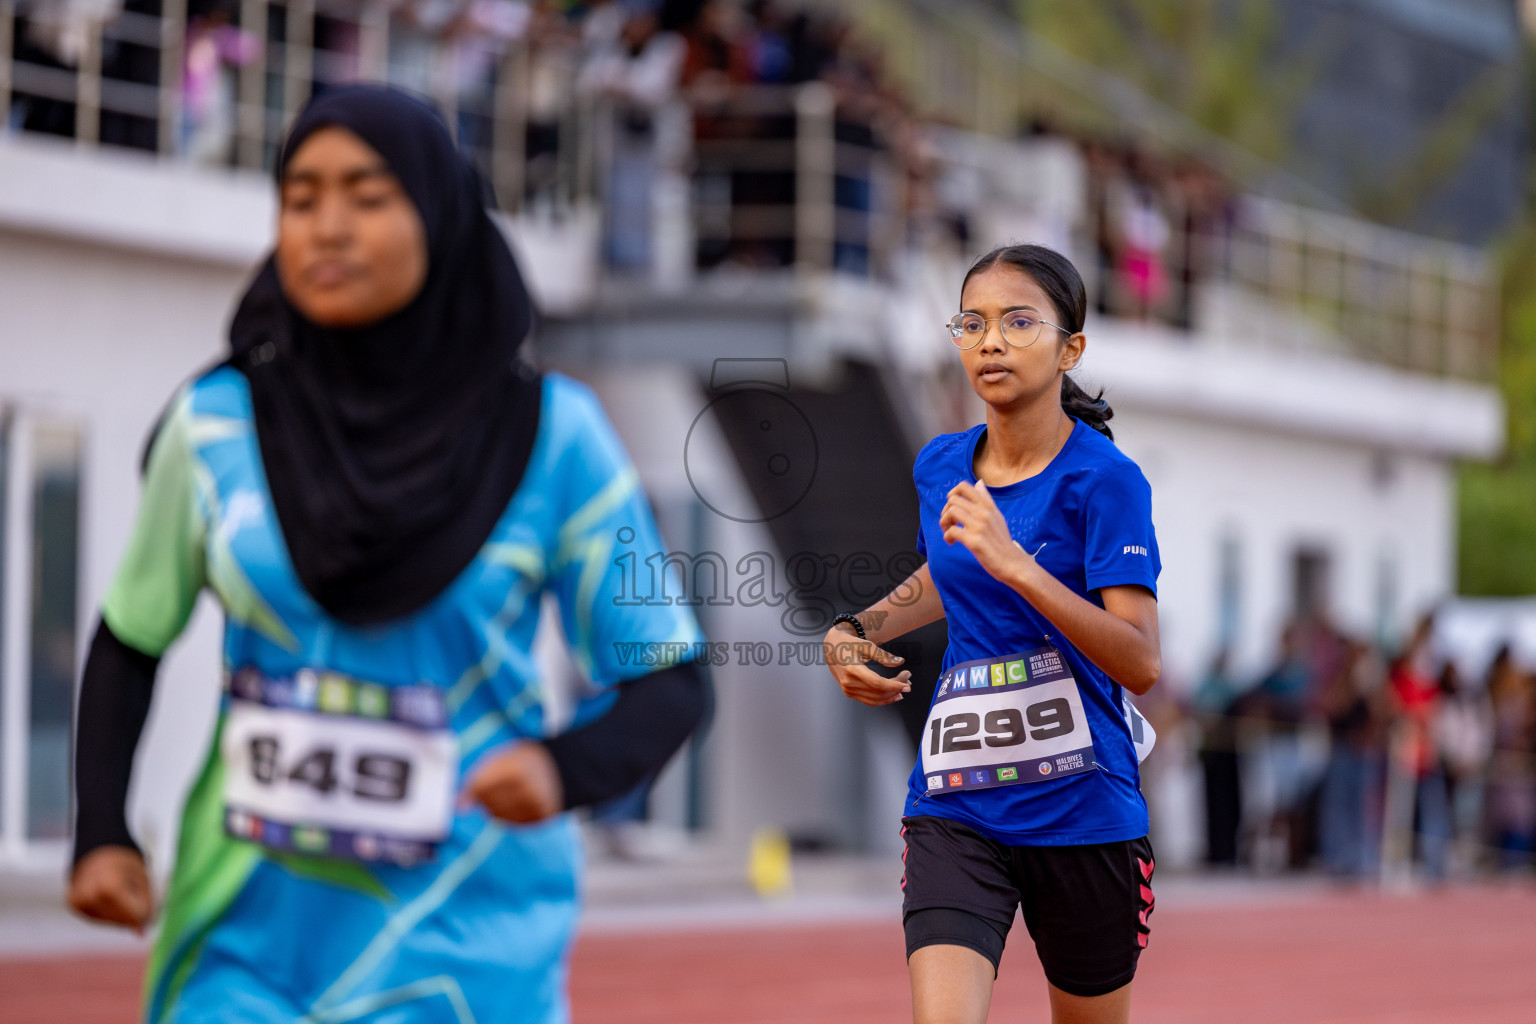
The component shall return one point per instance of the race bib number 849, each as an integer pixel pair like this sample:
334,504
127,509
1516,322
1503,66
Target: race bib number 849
1005,721
324,781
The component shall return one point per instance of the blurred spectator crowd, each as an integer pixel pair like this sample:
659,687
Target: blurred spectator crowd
699,117
1364,762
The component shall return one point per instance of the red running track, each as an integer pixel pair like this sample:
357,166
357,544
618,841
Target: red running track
1455,957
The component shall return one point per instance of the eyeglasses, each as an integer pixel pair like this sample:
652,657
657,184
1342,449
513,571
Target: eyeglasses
1021,328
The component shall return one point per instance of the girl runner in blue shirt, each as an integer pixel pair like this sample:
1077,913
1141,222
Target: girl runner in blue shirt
1042,559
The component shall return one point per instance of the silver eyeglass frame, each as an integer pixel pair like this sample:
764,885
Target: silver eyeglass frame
955,331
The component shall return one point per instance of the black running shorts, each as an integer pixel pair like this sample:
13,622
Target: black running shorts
1086,907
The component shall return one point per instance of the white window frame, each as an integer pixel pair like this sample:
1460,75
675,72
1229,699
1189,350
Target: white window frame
21,424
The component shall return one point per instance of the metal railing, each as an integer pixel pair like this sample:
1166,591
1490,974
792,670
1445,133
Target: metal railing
832,192
1239,269
288,51
1385,296
1392,774
770,176
782,177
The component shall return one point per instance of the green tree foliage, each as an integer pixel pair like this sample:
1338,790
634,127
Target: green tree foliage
1224,65
1497,503
1215,61
1396,196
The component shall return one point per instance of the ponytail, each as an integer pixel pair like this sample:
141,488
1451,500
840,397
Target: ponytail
1091,409
1061,282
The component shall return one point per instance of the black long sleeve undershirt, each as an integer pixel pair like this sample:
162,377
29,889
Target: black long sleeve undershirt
651,718
114,701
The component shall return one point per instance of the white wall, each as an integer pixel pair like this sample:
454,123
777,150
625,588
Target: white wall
1273,492
104,336
777,753
1282,448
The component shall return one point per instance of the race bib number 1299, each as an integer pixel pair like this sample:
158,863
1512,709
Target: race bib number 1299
1005,721
324,764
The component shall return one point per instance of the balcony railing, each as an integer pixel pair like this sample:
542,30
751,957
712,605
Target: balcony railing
1382,295
757,178
782,177
123,80
1175,246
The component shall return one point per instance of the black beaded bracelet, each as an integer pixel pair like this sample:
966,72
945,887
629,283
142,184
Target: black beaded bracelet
858,627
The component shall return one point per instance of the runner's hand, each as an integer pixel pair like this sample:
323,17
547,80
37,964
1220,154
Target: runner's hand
846,655
971,517
110,884
521,785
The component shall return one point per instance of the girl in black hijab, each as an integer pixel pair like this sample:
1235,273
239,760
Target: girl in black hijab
378,487
391,449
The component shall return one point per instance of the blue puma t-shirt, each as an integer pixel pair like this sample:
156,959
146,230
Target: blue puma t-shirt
1089,516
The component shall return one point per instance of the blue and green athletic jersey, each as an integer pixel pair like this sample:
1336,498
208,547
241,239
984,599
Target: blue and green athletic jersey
480,933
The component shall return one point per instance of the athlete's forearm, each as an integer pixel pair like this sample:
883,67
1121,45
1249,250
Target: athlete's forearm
635,739
912,605
115,692
1128,654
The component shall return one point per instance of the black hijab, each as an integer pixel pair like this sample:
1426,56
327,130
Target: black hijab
392,450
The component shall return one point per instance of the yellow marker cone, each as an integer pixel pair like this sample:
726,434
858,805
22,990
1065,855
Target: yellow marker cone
768,864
